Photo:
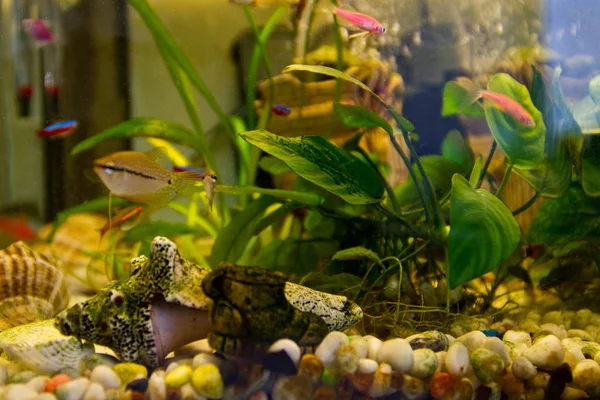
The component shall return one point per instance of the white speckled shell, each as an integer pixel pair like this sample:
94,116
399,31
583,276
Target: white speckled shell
40,347
32,288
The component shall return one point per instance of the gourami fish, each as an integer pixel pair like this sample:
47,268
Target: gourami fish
504,103
210,181
281,110
59,129
138,177
122,217
361,21
38,30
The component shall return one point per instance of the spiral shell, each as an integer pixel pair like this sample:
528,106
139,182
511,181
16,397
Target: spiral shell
32,288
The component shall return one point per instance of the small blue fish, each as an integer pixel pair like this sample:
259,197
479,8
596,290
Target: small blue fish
59,129
491,333
281,110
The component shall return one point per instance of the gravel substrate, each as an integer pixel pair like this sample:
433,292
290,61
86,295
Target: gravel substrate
554,356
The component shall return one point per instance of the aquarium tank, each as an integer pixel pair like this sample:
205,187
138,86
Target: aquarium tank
299,199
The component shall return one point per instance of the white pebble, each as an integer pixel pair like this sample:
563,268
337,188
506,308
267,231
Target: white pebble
495,344
106,377
586,376
361,347
546,353
397,353
19,391
425,363
581,318
517,337
171,367
156,386
473,340
373,346
94,392
188,392
45,396
367,366
290,347
3,375
574,348
38,383
581,334
558,331
73,390
457,359
329,346
441,357
523,369
451,339
554,317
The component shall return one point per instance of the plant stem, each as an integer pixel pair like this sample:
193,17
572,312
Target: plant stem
196,220
527,205
309,199
157,27
388,188
486,165
505,178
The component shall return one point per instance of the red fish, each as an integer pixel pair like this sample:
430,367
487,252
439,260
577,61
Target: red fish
123,216
506,104
281,110
59,129
182,168
17,228
38,30
361,21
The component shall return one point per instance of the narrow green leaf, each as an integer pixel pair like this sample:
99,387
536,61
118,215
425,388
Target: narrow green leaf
553,176
476,172
439,170
317,160
99,204
234,237
356,253
277,215
141,127
483,232
149,230
455,102
523,146
590,166
289,256
319,69
272,165
359,117
455,148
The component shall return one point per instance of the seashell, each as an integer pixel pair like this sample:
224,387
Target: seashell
40,347
32,287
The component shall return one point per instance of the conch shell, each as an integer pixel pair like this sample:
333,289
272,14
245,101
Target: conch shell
32,288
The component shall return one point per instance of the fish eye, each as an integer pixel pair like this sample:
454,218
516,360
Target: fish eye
382,30
170,181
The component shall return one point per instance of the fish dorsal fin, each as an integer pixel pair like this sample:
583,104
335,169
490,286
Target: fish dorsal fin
159,155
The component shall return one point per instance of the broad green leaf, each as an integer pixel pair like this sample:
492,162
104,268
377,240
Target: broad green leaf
142,127
149,230
234,237
319,226
277,215
476,172
272,165
553,176
289,256
99,204
439,170
356,253
590,165
483,232
359,117
319,69
523,146
587,115
319,161
573,216
455,97
569,127
455,148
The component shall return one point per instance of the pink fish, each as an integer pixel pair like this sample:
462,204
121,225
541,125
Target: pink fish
38,30
361,21
504,103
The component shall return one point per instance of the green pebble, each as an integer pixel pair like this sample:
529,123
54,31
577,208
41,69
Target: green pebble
128,372
207,381
179,376
330,377
22,377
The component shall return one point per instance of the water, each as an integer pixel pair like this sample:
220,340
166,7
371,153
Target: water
506,221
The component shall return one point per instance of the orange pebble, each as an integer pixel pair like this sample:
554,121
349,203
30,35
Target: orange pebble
440,383
56,381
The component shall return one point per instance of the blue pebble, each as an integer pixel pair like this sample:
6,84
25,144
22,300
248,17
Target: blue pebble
491,333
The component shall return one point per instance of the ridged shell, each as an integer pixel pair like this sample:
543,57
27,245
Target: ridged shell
40,347
32,288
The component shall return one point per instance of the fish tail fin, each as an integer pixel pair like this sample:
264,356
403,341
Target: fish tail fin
186,182
474,92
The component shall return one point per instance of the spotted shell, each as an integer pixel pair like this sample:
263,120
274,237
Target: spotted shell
32,288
